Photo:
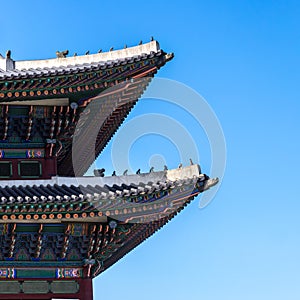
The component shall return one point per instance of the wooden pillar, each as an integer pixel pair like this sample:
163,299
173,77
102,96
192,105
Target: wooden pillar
86,289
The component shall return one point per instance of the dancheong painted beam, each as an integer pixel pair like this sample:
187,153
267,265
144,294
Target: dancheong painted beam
58,228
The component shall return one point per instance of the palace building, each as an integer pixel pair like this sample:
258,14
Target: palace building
58,228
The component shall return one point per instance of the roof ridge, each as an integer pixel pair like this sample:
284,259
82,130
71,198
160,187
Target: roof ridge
157,176
112,55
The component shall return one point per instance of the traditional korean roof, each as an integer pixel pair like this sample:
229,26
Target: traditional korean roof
60,110
47,211
56,92
56,76
62,196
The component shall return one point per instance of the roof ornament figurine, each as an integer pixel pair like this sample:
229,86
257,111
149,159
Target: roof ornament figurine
180,166
191,162
140,42
75,54
138,171
100,51
99,172
114,173
151,170
62,54
165,168
125,46
8,54
125,172
87,52
111,49
152,39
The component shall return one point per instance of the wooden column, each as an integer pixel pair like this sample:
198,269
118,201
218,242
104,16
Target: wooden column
86,289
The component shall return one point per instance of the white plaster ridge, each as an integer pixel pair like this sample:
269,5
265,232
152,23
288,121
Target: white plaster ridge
6,64
90,58
170,175
2,63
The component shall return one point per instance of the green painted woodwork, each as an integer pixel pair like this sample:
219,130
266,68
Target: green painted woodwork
38,287
40,264
20,153
18,111
22,254
24,163
35,287
10,287
68,287
35,273
5,169
38,143
48,255
27,228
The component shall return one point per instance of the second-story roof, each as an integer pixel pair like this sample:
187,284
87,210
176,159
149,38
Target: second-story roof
10,69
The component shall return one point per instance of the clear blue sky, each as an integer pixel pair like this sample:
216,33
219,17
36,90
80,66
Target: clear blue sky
243,57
